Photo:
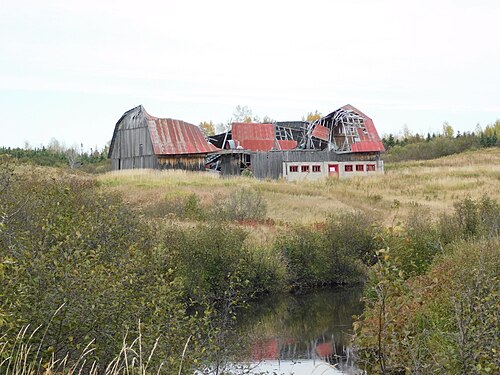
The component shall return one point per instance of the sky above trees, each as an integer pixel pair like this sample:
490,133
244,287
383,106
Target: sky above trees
70,69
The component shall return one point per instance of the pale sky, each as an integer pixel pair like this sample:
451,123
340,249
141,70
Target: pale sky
70,69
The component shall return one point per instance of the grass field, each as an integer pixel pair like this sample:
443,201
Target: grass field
435,184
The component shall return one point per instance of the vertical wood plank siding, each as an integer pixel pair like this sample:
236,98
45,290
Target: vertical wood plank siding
270,164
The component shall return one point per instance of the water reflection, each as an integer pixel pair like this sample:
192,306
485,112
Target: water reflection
300,330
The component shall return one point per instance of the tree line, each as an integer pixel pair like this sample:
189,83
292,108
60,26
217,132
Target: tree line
57,154
410,146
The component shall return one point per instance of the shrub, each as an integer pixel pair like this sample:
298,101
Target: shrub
414,244
243,204
429,302
67,246
305,251
351,234
442,322
214,259
334,254
471,219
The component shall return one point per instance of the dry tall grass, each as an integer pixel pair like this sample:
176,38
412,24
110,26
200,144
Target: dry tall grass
435,184
25,358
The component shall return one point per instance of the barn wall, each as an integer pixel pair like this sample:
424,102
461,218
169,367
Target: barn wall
230,164
188,162
134,162
270,164
295,171
132,147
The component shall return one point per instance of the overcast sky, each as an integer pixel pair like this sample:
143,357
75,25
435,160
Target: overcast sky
70,69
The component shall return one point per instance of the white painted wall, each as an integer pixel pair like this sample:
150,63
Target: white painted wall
312,174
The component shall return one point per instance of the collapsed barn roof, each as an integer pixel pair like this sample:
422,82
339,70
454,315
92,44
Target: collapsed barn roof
345,130
168,136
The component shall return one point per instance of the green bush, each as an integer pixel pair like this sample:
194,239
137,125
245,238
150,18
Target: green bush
471,219
243,204
329,255
444,322
432,300
69,247
351,235
306,254
414,244
181,206
214,259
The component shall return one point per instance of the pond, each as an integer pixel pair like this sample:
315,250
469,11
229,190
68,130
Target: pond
300,334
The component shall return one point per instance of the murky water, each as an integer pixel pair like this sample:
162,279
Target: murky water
300,334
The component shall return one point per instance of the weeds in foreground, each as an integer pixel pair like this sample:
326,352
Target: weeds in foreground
25,357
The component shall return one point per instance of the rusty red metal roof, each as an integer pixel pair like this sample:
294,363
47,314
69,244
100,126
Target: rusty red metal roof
287,144
254,137
173,137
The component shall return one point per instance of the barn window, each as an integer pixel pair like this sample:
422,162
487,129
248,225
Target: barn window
360,168
316,168
305,168
348,168
294,168
370,167
140,149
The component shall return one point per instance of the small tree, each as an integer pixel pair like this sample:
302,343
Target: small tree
242,114
207,128
448,130
311,116
72,156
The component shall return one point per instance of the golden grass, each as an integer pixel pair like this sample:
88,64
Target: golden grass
435,184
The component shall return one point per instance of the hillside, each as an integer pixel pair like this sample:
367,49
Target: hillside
91,255
435,184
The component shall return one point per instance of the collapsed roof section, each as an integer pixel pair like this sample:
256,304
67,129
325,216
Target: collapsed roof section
345,130
262,137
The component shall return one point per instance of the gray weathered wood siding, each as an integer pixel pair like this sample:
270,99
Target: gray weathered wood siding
132,146
270,164
231,164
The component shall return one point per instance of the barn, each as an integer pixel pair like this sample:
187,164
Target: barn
144,141
344,143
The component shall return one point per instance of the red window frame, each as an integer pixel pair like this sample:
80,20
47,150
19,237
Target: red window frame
370,168
348,168
360,168
294,168
304,169
316,168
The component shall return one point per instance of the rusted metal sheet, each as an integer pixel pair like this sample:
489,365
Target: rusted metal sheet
321,132
254,137
287,144
367,146
174,137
